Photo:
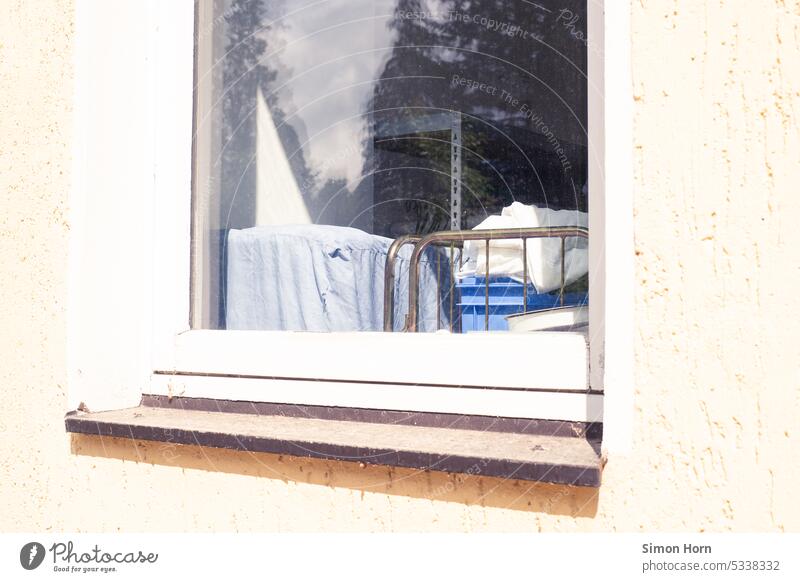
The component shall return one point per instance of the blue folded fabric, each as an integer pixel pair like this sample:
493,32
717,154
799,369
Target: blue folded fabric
324,278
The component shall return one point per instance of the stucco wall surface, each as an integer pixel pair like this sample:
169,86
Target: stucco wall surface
717,404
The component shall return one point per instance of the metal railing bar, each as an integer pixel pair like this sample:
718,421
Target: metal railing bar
388,278
563,271
452,284
525,275
486,315
438,289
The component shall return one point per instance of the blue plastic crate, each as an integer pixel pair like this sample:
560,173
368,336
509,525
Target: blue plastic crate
505,298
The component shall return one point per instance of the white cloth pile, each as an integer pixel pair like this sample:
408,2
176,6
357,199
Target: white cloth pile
543,254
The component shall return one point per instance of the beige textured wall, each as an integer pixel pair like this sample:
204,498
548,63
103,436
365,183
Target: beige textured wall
717,366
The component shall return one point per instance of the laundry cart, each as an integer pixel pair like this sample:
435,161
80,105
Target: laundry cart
487,302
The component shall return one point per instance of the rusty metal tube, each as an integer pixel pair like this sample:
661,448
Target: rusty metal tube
486,297
525,275
388,278
452,285
563,269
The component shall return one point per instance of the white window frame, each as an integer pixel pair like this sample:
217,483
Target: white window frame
130,270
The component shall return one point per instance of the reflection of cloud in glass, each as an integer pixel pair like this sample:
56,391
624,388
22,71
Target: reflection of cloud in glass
278,197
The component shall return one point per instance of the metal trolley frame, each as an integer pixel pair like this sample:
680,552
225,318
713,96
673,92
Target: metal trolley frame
455,239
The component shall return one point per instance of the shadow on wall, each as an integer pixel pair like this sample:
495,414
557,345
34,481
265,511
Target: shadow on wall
468,489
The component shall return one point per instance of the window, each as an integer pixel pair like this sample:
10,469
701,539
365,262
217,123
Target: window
312,120
325,130
162,274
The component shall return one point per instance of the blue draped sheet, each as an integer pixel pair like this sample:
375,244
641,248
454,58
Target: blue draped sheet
324,278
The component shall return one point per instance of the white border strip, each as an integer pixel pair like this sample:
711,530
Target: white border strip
577,407
618,352
543,360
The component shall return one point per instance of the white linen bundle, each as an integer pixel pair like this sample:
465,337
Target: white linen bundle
543,254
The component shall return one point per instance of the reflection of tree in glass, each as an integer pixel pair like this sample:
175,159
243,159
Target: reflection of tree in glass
427,209
523,132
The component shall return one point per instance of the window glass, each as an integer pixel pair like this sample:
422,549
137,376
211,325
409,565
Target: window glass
326,129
